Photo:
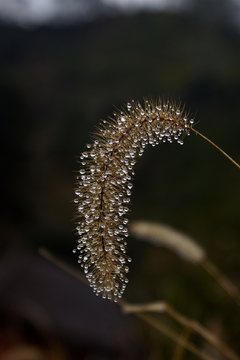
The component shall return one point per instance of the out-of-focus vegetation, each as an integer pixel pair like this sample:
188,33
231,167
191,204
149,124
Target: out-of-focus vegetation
55,86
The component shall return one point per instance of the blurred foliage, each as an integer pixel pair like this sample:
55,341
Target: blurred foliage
55,86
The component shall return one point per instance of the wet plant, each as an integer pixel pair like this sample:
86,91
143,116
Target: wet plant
104,183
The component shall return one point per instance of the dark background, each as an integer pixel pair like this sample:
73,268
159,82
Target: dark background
56,83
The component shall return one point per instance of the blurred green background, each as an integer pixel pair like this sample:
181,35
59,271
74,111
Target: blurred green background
57,82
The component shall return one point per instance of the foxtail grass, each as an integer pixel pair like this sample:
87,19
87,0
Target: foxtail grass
104,185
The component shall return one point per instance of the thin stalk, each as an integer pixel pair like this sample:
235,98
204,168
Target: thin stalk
61,264
163,307
216,147
178,355
223,281
174,336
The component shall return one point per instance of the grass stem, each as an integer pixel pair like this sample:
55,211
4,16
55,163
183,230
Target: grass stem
216,147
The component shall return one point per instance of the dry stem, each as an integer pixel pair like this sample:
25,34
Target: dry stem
192,324
217,147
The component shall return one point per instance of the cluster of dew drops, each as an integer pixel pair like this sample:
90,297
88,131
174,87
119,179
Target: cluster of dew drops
104,188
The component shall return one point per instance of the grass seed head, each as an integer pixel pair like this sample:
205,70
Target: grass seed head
104,184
